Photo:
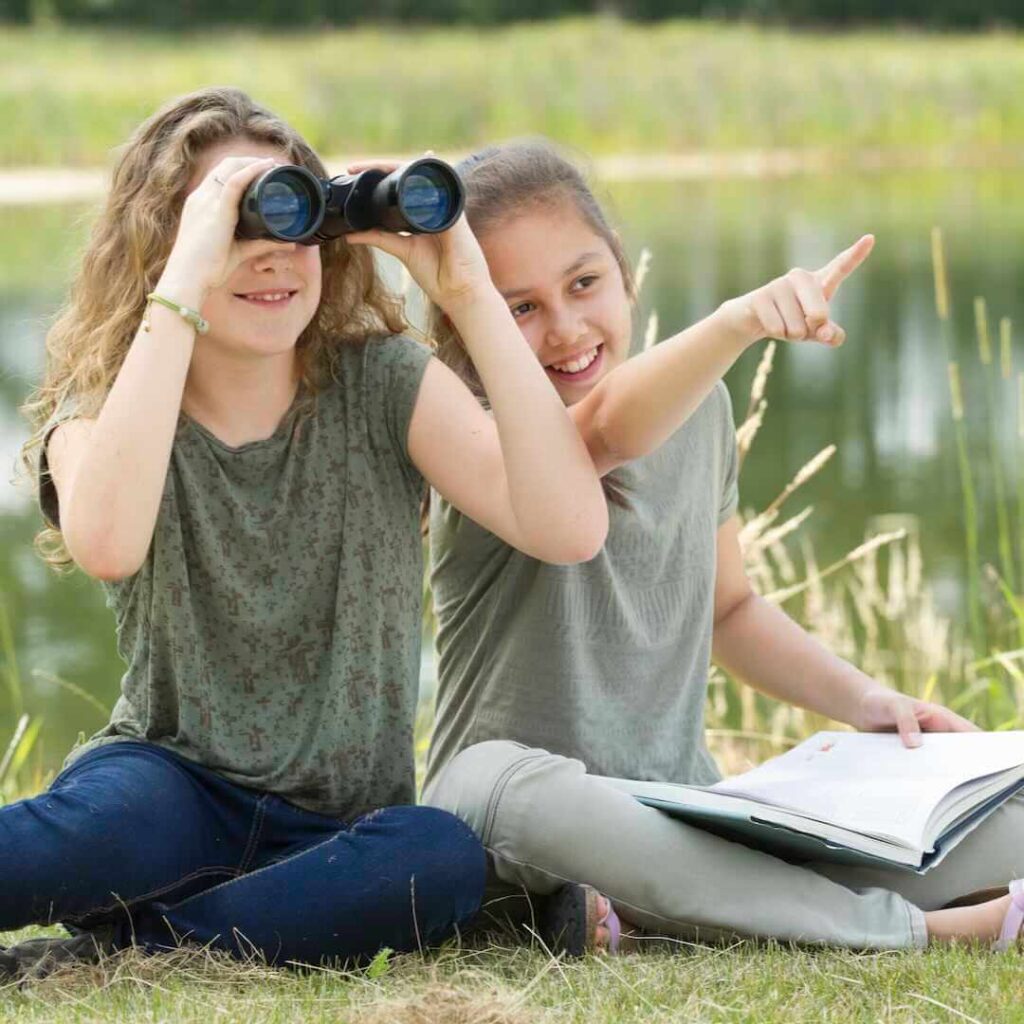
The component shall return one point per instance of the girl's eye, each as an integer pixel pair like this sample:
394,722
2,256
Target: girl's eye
521,310
583,282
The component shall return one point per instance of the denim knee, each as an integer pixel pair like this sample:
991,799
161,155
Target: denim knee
431,828
443,854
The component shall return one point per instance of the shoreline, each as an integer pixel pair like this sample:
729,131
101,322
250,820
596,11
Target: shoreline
33,186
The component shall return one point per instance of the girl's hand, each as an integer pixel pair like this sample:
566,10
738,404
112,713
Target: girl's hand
205,250
795,307
885,710
449,267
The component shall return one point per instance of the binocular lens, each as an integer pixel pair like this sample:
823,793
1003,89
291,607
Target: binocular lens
428,197
286,203
286,206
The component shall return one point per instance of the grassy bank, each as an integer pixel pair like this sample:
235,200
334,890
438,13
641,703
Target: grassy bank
67,97
696,985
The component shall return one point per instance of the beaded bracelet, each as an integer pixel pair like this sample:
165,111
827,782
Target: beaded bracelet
192,316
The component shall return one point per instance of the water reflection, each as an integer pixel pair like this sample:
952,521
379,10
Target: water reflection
883,398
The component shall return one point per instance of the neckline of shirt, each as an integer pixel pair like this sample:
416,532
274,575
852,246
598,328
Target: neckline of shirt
280,431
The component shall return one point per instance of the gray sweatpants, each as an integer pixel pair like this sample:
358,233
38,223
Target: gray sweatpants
544,821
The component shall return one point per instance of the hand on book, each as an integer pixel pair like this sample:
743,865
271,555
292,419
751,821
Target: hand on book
885,710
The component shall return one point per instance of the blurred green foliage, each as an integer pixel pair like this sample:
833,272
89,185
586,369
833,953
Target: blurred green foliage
69,96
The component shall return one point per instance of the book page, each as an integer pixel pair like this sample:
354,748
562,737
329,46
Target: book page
871,783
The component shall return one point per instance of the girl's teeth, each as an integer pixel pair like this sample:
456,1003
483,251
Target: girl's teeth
268,298
575,365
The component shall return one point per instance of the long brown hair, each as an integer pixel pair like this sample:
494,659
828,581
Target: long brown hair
129,245
507,179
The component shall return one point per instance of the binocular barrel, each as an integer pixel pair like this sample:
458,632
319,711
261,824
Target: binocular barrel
292,204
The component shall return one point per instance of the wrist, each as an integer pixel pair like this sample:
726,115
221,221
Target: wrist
181,287
737,331
860,717
472,302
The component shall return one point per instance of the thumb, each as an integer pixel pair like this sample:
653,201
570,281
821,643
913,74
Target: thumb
387,241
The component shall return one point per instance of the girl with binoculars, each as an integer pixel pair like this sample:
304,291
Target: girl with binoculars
234,436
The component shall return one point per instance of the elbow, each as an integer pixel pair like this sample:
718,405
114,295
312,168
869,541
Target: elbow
581,543
101,559
590,547
726,611
109,570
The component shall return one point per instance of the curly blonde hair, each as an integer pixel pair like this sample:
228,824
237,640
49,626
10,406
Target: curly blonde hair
129,245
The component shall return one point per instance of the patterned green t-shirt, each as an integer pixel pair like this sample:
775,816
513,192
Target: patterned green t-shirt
273,633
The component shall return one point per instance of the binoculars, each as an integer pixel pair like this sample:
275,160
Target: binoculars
292,204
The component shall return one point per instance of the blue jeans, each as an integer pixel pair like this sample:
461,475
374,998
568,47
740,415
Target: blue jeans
164,850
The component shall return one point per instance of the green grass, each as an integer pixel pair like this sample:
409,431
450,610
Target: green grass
506,985
68,97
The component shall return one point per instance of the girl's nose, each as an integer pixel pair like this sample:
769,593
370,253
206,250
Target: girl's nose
277,253
565,329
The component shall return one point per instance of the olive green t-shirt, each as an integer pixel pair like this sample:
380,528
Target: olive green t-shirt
273,633
605,661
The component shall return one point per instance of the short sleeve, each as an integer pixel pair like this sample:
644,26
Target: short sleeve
729,460
394,372
68,409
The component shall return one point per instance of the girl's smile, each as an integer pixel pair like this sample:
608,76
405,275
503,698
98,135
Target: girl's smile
268,299
581,368
565,291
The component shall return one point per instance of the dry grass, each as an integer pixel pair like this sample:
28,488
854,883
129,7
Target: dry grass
501,984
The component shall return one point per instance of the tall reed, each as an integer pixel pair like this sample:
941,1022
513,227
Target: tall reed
13,783
970,501
991,375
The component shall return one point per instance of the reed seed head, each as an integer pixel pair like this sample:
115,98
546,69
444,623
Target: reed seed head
939,267
812,467
955,392
651,334
764,368
642,266
1006,347
981,326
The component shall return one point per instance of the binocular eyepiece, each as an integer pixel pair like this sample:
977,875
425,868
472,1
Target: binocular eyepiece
292,204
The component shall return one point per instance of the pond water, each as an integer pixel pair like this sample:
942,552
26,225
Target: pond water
883,398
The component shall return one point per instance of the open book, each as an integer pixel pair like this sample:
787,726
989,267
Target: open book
856,798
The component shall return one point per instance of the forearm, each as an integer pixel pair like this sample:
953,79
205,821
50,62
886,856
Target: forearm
641,403
553,490
114,497
760,645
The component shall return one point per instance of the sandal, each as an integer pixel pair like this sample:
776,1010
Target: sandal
1014,917
570,921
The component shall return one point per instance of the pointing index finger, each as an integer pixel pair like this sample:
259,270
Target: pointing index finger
840,267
